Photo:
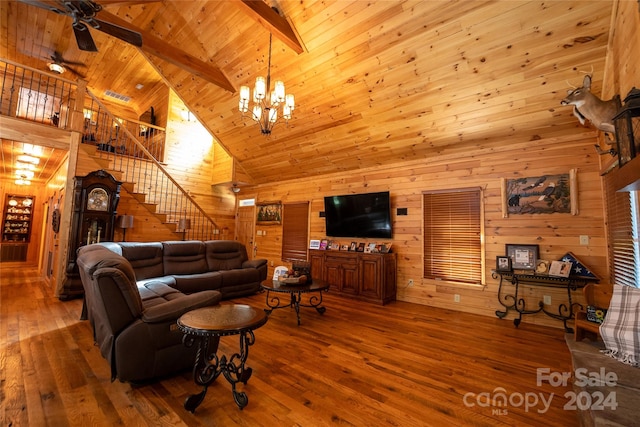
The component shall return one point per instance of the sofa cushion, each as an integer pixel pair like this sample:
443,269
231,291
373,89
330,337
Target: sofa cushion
184,257
190,283
145,258
225,254
239,277
155,292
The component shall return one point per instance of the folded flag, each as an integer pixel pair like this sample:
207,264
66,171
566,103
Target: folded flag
578,269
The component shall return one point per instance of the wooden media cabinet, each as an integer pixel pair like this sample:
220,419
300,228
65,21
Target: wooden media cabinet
368,277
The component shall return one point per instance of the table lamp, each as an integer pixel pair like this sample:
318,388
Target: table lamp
124,222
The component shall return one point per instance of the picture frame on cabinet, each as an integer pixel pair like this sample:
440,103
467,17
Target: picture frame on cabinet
385,248
353,246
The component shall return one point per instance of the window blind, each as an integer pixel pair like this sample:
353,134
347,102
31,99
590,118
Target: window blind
452,235
295,224
622,250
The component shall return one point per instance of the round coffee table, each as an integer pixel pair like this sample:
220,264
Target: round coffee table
207,325
295,291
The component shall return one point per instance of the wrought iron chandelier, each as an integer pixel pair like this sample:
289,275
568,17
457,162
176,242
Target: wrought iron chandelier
267,102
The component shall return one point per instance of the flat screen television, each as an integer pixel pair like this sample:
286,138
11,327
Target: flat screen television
358,215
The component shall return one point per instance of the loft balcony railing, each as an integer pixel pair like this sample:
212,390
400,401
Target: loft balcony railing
111,134
133,148
32,95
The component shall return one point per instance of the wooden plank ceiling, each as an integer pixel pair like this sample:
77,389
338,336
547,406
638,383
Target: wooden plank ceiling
377,82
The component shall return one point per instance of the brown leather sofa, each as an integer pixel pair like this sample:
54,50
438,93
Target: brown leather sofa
193,265
136,291
135,326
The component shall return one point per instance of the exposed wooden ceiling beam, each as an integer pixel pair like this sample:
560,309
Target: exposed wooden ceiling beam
272,21
167,52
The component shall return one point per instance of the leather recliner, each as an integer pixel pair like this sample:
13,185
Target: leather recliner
135,327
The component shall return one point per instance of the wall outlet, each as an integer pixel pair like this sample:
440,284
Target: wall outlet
410,282
547,300
456,298
584,240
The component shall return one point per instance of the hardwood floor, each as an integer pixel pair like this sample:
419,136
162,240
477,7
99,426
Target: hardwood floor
358,364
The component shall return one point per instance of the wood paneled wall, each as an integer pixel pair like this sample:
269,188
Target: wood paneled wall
555,234
622,67
190,159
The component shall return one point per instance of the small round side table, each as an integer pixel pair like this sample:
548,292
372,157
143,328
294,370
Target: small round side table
206,326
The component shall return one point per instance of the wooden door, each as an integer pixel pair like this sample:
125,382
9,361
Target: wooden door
372,276
245,228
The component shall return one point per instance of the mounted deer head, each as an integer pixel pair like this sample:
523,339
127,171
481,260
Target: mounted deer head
588,106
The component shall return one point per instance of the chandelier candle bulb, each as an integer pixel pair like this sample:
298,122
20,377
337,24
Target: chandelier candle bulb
279,91
260,89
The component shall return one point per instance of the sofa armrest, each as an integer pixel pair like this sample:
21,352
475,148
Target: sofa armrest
172,310
254,263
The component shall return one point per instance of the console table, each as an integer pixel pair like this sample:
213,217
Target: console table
511,300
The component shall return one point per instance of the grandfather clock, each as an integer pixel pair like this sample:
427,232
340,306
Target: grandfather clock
95,200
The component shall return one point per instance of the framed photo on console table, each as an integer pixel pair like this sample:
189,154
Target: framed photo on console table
503,264
560,268
523,257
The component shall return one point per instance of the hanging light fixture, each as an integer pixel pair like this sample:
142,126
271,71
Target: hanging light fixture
267,102
56,68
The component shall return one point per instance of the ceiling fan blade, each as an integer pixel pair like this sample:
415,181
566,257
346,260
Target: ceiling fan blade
57,57
83,37
125,34
45,6
74,71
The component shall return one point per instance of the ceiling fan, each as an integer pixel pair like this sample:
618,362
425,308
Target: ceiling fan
59,65
83,13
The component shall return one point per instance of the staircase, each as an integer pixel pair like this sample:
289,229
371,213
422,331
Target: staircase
129,151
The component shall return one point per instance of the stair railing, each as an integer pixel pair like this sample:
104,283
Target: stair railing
133,148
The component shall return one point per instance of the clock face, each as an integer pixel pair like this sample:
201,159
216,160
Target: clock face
98,200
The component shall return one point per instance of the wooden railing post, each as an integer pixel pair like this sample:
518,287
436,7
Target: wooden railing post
77,115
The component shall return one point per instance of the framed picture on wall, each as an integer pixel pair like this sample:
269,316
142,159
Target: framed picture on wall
269,213
546,194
